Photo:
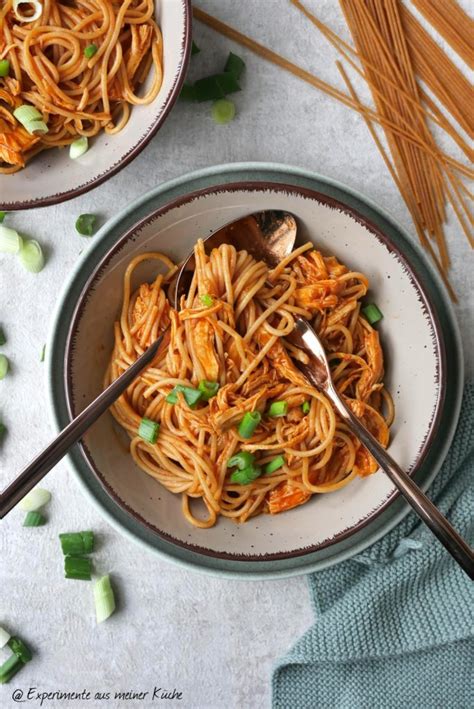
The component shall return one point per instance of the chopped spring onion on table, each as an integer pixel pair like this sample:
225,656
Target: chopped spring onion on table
274,464
4,637
208,389
77,543
78,567
148,430
31,256
241,460
3,339
35,500
20,649
43,351
35,5
10,667
207,300
191,396
278,408
78,147
246,476
30,118
223,111
2,216
215,86
234,65
306,407
372,314
85,224
90,50
4,68
194,49
10,240
104,599
34,519
249,423
187,92
4,364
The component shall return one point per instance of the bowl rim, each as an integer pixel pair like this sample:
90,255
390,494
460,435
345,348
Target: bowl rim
137,148
262,186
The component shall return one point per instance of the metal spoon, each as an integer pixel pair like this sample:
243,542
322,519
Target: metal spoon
268,235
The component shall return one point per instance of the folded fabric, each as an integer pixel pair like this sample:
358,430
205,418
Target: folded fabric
394,625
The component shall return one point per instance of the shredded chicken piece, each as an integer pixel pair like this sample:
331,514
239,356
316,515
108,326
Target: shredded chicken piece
141,40
280,359
203,335
371,376
15,141
364,463
285,497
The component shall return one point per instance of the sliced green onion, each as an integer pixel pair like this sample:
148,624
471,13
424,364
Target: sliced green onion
3,339
4,637
372,313
207,300
208,389
194,49
2,216
78,147
278,408
191,396
223,111
148,430
241,460
37,6
306,407
274,464
104,599
85,224
20,649
77,543
246,476
31,256
9,668
34,519
77,567
4,364
36,127
35,500
215,86
10,240
234,65
30,118
188,92
4,68
42,353
90,50
249,423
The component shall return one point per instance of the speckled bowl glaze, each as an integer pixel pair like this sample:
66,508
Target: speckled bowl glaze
416,337
52,177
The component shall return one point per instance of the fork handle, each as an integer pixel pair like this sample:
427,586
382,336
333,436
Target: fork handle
422,505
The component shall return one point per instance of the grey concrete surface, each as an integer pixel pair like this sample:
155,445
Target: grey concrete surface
213,640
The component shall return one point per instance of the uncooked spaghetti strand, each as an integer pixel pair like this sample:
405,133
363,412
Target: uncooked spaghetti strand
450,20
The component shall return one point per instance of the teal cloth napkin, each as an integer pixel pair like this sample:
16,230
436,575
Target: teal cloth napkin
394,625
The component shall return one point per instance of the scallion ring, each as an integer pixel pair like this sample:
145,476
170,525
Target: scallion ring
31,256
4,365
36,6
78,147
10,240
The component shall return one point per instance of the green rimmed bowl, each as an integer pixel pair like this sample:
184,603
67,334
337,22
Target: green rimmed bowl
419,334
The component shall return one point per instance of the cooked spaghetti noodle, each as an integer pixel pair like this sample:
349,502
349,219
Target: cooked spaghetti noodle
231,331
78,92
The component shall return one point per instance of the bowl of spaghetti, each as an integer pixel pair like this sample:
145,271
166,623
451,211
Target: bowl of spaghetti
83,89
221,455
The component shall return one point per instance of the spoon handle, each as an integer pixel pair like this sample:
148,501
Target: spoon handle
422,505
58,448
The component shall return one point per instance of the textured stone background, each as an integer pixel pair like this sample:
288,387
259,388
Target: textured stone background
214,640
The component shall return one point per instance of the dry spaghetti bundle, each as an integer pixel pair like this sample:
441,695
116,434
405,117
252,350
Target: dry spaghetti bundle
392,52
79,64
240,428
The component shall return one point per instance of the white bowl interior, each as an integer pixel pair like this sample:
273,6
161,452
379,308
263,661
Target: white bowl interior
52,174
407,334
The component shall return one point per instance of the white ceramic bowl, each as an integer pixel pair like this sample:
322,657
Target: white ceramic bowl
411,338
53,177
